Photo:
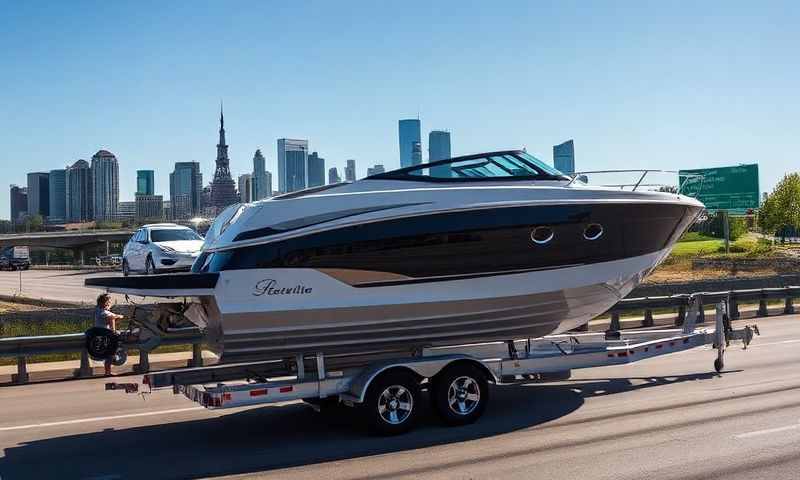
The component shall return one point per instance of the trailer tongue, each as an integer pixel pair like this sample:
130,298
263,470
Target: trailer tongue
387,388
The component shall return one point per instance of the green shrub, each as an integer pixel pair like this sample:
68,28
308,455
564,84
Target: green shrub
715,227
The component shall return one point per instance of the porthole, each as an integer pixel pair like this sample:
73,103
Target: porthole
542,235
593,231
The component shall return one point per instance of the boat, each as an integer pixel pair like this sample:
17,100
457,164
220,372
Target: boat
488,247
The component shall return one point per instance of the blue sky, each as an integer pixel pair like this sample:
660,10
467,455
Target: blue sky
637,84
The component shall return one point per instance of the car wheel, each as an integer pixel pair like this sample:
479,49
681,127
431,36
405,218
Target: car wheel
126,270
149,266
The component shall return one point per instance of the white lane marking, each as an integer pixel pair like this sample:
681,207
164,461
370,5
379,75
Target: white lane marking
768,431
756,344
98,419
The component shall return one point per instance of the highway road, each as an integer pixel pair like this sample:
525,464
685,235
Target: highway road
665,418
57,285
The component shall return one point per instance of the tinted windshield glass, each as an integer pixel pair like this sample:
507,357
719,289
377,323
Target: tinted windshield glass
501,165
172,234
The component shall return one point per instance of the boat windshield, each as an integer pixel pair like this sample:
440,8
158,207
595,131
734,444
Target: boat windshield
499,165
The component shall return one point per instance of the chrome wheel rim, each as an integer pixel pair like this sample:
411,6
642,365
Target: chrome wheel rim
463,395
395,404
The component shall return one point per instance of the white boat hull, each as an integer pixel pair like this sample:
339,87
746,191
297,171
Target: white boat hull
257,314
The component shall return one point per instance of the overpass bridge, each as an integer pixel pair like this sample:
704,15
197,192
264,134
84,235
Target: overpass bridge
76,240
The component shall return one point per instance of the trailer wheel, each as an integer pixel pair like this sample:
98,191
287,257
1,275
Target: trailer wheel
392,402
101,343
460,394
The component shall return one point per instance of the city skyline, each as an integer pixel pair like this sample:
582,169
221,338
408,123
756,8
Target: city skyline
628,82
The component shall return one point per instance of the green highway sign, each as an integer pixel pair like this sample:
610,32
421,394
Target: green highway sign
734,189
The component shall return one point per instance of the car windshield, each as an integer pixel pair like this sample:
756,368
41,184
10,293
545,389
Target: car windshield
172,234
501,165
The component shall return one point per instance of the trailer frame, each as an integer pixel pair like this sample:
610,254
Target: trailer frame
474,365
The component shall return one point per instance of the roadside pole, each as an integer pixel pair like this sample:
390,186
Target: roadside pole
726,227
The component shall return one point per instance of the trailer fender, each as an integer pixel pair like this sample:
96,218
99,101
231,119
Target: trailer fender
421,367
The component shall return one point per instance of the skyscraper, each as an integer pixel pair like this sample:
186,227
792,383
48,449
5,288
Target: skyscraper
268,184
105,185
19,203
223,188
378,168
80,201
39,194
149,208
409,135
564,157
333,176
292,164
58,196
246,188
185,181
316,170
145,182
350,171
262,188
181,206
439,149
126,212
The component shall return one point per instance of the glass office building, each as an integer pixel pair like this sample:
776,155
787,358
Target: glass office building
410,140
58,196
439,149
316,170
292,164
564,157
145,182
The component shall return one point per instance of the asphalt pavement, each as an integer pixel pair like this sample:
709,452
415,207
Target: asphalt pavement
665,418
55,285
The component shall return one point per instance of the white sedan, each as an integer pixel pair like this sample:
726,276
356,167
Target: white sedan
161,247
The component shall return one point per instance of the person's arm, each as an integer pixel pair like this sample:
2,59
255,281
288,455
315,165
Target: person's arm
111,319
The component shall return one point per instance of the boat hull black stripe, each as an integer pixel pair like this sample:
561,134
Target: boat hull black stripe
473,242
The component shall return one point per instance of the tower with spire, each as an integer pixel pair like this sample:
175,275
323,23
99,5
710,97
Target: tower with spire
223,188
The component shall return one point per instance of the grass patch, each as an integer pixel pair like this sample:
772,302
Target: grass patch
21,320
62,357
698,245
695,237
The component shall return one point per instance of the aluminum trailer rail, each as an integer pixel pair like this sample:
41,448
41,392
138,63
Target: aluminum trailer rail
388,390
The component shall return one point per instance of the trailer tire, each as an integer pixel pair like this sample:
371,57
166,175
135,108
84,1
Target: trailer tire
460,394
392,403
101,343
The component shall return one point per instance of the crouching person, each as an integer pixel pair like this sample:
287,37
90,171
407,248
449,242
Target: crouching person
105,318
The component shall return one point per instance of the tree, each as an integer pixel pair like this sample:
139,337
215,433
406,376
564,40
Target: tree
715,226
35,223
780,212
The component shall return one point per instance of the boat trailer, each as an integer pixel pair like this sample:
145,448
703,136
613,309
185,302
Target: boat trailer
387,390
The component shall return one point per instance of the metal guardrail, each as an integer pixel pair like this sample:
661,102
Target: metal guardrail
681,302
23,347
